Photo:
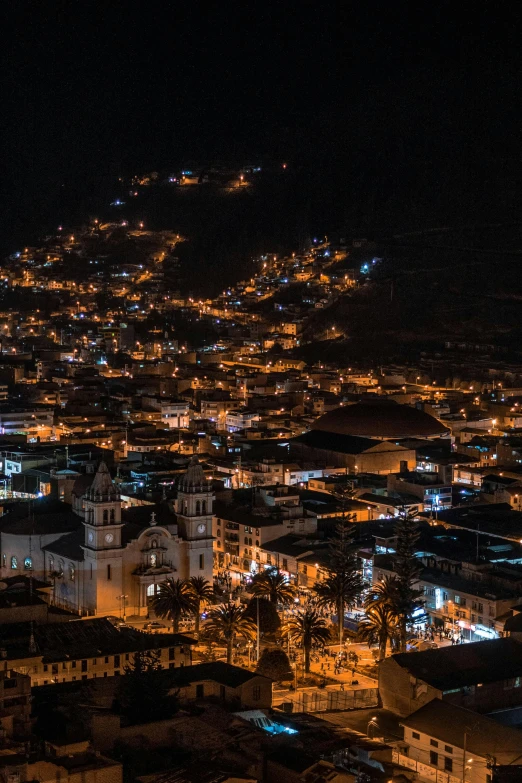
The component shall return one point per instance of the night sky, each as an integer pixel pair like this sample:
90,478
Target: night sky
411,111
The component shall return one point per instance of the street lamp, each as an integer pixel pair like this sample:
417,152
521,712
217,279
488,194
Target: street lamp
123,598
374,724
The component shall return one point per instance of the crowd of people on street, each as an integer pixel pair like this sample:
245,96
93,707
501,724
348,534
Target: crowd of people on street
430,634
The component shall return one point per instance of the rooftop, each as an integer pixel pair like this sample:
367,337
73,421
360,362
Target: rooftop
80,639
496,519
449,668
485,736
380,419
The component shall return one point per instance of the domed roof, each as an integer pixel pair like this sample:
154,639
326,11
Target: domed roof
383,419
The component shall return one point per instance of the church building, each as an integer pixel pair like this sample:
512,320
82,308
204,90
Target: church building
105,560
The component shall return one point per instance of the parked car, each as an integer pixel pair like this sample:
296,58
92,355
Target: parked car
154,626
113,619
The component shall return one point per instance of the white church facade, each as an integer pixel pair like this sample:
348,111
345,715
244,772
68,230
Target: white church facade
103,560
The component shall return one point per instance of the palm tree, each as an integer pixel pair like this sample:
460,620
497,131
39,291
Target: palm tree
407,567
226,622
380,627
337,591
344,582
383,593
274,585
203,592
308,627
175,599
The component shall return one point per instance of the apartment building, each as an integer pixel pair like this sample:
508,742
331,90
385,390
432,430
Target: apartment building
84,649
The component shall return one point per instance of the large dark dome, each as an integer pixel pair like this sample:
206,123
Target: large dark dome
384,419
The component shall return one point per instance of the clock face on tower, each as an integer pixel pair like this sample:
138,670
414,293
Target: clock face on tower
202,528
91,537
109,538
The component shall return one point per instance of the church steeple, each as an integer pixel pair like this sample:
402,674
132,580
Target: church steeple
102,511
194,501
193,480
102,488
194,517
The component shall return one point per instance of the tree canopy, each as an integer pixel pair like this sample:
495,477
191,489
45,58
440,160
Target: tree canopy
274,663
143,690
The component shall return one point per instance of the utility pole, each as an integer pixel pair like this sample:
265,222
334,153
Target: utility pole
123,598
464,757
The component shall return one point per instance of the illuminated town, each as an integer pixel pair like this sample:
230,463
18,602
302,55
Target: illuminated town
260,456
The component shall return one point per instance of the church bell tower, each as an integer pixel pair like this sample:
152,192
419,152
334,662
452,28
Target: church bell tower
102,512
194,517
103,551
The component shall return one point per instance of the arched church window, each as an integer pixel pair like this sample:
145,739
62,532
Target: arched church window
198,508
153,559
14,562
185,512
112,515
105,516
246,540
153,543
249,542
203,506
151,590
28,564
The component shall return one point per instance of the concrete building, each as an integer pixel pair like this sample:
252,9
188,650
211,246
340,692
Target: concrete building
481,676
84,649
444,742
36,422
173,412
74,762
15,703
